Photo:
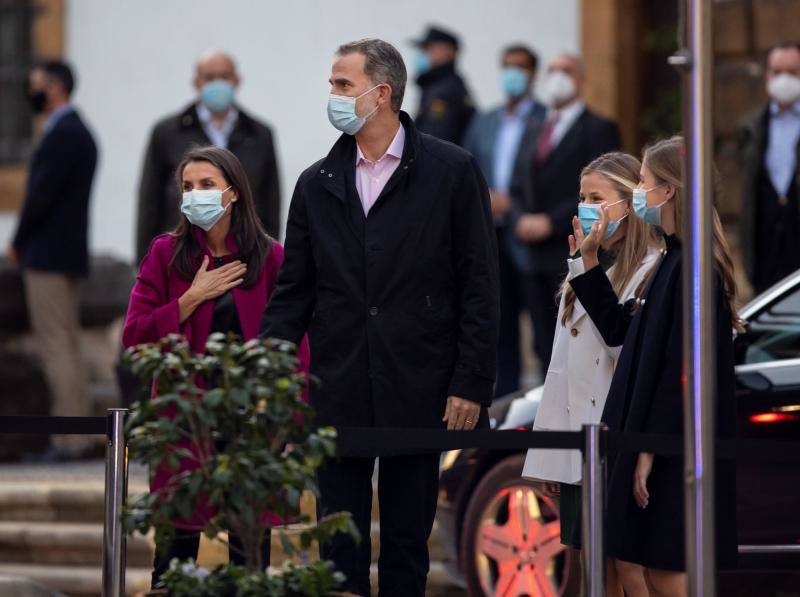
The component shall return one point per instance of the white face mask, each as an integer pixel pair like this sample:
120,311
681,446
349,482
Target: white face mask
558,87
784,88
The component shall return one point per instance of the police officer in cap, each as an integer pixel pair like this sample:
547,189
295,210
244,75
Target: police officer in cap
445,106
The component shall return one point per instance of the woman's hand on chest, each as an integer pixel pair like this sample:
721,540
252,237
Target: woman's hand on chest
208,285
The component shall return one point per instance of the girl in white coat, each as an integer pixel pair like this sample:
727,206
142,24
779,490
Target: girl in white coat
582,365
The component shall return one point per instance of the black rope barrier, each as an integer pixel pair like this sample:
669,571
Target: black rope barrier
372,441
54,425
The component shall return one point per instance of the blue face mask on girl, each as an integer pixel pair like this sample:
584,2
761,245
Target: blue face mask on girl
589,213
649,213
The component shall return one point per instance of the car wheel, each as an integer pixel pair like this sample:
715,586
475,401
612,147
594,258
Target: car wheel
511,539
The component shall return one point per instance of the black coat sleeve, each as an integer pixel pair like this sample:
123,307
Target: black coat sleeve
269,200
150,209
288,313
595,292
53,164
476,267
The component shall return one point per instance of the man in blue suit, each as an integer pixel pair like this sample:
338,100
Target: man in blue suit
50,244
494,138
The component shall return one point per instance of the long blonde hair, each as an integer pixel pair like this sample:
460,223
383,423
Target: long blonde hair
622,170
665,160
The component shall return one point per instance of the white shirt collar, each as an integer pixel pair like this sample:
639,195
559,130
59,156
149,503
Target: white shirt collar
395,148
568,113
207,118
775,109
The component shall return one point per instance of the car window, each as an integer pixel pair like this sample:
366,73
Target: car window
774,334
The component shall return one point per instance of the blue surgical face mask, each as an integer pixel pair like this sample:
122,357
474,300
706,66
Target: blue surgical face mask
649,213
203,208
589,213
217,95
342,112
514,82
422,62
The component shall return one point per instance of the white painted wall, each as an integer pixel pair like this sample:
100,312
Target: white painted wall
134,62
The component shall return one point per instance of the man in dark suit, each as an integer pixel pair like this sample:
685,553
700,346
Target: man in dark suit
391,266
445,107
51,245
494,139
546,194
770,140
213,118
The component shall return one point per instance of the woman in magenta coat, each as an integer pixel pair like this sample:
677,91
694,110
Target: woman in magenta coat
214,273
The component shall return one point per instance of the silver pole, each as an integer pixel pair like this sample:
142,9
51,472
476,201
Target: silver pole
699,363
116,491
593,502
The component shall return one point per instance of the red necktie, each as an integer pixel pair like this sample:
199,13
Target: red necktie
545,143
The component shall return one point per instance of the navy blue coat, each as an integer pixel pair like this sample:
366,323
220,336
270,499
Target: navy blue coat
402,306
646,396
52,234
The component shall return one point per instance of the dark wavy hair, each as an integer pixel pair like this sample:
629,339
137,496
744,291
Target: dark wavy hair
254,243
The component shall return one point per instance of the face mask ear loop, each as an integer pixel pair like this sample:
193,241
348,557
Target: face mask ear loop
368,116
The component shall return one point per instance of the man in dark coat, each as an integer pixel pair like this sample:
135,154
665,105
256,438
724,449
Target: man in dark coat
545,191
770,140
51,244
391,266
214,118
445,107
494,138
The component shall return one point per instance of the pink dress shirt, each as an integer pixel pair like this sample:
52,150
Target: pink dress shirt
371,177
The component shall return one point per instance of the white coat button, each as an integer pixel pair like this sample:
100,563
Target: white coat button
574,332
593,401
597,362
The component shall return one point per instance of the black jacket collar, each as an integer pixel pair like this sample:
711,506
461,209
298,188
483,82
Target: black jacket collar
341,159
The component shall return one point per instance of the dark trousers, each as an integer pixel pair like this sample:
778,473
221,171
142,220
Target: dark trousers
541,291
407,493
777,249
185,545
512,299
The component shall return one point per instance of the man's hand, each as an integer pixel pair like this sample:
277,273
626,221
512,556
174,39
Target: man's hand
534,228
13,256
460,414
501,203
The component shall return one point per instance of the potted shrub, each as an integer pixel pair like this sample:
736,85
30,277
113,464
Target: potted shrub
238,439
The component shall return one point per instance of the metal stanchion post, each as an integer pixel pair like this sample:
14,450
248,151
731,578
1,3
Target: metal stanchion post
696,60
116,491
593,505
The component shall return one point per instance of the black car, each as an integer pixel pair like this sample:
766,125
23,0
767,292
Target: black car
503,531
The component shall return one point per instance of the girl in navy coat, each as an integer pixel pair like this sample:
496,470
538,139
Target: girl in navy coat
645,492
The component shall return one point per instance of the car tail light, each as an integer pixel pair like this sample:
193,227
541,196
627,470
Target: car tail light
773,418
